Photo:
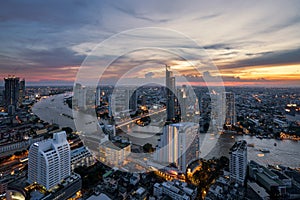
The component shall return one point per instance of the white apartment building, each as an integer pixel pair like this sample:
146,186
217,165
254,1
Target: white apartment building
238,162
179,144
49,161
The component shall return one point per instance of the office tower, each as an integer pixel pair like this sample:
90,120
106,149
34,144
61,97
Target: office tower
229,109
80,97
216,105
238,162
182,102
110,106
11,92
178,144
132,95
98,96
170,89
49,161
22,91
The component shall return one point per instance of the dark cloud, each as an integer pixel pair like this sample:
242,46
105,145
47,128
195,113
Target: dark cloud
218,46
149,75
55,57
259,53
267,58
48,12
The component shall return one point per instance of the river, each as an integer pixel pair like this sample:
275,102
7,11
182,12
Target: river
285,152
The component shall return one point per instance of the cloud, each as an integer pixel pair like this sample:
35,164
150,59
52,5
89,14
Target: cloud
45,36
55,57
149,75
267,58
218,46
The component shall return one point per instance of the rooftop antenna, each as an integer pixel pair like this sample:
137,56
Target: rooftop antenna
167,67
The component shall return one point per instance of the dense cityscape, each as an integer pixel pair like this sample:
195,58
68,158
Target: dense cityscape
149,100
46,157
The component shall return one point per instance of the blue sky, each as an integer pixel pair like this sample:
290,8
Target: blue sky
249,41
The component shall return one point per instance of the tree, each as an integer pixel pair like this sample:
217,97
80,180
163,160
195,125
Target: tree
148,148
67,129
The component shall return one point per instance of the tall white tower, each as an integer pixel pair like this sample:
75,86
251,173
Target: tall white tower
49,161
238,162
179,144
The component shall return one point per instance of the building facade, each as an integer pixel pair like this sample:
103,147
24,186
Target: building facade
229,108
238,162
49,161
114,153
175,190
179,144
11,91
170,93
81,157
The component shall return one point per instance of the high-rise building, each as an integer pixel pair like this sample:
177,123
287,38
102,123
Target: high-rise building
22,91
182,102
229,109
179,144
238,162
49,161
110,106
132,95
80,94
98,96
11,92
170,90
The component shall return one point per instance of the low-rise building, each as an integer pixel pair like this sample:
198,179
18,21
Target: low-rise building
114,152
81,157
265,177
175,189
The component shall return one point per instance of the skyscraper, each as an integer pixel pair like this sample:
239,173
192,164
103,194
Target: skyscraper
22,91
238,162
132,95
49,161
178,144
80,97
11,92
229,109
98,96
182,102
170,90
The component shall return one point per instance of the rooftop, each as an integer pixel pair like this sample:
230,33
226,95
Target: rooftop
239,145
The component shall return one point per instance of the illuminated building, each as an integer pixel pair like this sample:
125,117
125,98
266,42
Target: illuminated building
114,152
238,162
229,109
81,157
170,90
49,161
178,144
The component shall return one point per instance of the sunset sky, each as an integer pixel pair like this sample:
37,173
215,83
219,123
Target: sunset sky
252,43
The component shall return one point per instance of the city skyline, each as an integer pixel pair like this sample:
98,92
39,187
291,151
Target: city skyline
251,46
